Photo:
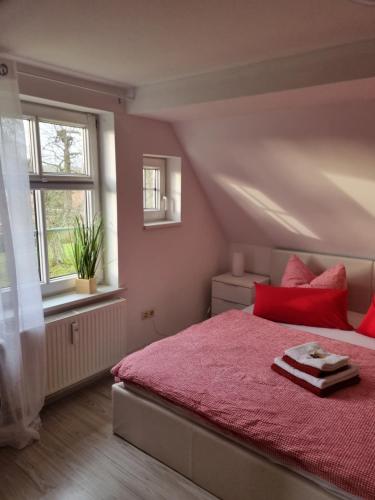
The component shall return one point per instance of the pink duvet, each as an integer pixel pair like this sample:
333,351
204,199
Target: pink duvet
220,369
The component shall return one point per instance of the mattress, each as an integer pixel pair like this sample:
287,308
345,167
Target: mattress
192,415
351,336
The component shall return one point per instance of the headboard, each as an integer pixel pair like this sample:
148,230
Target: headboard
360,273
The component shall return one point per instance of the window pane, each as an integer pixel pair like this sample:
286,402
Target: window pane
35,228
62,149
27,128
61,207
151,188
149,199
149,178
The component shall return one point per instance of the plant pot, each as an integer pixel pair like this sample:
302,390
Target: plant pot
86,286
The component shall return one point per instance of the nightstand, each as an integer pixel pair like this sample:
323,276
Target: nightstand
231,292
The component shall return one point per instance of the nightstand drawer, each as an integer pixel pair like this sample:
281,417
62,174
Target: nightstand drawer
219,305
232,293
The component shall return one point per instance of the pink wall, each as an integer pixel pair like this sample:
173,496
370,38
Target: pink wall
300,178
167,269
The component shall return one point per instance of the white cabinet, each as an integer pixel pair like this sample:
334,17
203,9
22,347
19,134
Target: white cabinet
231,292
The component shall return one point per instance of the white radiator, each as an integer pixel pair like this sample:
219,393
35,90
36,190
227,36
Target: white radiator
84,342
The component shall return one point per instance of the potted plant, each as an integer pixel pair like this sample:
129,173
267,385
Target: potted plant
86,248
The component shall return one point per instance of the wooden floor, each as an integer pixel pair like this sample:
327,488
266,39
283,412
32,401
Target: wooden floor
78,458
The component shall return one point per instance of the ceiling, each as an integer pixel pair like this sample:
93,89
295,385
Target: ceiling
140,42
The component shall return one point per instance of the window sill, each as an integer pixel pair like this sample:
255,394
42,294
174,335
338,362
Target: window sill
65,301
159,224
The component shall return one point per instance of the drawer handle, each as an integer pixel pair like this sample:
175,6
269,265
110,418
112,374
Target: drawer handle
232,284
228,301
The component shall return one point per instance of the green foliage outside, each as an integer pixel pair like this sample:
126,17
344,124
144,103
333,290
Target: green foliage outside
60,255
62,153
62,207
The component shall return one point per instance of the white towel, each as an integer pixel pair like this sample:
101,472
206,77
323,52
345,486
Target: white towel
321,383
324,360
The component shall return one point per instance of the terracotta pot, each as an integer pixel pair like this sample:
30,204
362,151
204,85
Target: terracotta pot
86,286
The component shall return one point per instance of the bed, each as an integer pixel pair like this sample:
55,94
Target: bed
214,455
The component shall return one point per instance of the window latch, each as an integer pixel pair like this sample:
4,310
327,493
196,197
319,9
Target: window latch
165,202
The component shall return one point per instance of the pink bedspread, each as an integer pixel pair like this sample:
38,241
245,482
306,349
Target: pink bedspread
220,369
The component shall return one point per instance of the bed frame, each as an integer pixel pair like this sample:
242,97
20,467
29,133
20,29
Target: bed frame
218,464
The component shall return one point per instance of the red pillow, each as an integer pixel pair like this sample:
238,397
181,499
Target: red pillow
367,327
320,307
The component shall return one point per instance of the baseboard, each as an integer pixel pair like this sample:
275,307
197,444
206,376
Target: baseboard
51,398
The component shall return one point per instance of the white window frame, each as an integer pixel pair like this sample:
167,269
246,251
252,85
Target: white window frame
40,181
159,214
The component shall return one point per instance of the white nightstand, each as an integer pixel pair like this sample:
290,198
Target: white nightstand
231,292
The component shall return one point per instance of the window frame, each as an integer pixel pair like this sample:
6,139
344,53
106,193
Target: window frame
41,181
160,164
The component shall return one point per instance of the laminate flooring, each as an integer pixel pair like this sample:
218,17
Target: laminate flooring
78,458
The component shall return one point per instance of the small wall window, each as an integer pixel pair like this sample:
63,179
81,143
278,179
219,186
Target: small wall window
161,190
154,189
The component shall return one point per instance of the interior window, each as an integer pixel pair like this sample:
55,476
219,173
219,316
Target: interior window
62,160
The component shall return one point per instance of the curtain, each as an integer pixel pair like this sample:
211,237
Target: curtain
22,349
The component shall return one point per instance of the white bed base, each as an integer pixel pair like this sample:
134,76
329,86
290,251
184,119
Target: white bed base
219,465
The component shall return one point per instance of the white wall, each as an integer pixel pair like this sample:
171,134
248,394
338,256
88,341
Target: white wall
257,258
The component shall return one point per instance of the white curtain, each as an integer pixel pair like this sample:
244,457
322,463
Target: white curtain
22,350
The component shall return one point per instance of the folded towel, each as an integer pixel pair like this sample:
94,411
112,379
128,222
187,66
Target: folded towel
320,383
315,390
315,372
312,354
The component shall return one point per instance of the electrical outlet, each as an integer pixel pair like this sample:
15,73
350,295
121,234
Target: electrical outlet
148,314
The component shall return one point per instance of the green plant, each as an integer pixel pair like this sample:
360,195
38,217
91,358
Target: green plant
87,245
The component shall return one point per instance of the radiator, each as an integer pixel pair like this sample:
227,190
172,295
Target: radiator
84,342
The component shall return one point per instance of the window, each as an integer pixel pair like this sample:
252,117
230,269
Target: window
62,161
161,191
154,189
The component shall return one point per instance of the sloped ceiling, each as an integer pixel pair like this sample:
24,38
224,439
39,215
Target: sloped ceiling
297,178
